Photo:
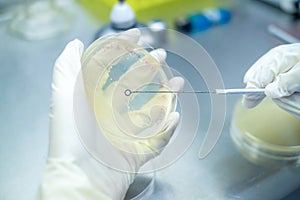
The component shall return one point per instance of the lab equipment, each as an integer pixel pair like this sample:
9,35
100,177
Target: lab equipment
131,126
282,35
71,170
110,66
142,187
288,6
178,145
128,92
6,10
266,135
122,17
278,72
244,91
240,91
202,21
40,20
147,10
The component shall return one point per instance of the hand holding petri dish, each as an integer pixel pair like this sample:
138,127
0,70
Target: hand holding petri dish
113,65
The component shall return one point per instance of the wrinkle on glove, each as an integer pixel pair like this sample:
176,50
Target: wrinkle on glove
64,176
81,179
62,127
63,179
278,72
71,173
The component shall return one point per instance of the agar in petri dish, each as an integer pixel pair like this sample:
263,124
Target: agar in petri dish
112,68
266,135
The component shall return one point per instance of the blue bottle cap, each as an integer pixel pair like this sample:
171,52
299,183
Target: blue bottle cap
199,22
225,16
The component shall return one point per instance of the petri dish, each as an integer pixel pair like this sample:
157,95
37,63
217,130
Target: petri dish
111,67
40,20
142,187
266,135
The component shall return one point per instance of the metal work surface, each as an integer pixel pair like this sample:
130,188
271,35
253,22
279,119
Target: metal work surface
25,83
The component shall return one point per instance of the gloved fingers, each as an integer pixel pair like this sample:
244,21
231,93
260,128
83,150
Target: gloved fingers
264,70
285,84
139,76
176,83
252,74
66,72
251,100
142,73
282,59
290,104
270,71
74,47
158,142
278,60
159,54
73,50
132,35
67,65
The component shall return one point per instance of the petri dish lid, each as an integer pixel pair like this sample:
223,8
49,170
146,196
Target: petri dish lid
110,67
142,187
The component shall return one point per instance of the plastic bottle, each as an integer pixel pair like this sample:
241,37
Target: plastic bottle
202,21
122,18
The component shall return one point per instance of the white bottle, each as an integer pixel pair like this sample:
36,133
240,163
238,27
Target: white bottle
122,18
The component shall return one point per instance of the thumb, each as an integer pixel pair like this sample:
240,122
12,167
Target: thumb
65,73
67,66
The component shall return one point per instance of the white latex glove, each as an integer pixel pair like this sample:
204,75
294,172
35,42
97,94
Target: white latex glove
278,71
70,171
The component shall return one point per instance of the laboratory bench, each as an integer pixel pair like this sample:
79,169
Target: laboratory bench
25,85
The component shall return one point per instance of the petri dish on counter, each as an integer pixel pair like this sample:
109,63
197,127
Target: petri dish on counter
142,187
266,135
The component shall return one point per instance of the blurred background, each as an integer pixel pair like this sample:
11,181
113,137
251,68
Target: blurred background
234,32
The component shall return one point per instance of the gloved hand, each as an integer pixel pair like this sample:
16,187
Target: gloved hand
71,173
278,71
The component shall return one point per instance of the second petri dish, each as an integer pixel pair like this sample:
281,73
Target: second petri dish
142,187
266,135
